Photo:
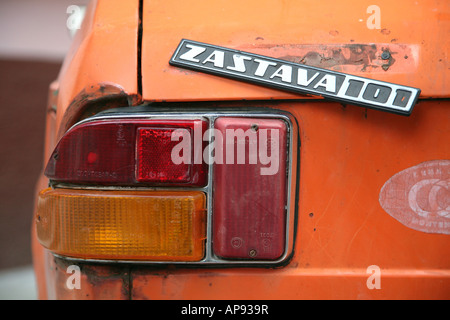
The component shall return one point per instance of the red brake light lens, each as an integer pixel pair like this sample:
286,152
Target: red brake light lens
154,154
128,152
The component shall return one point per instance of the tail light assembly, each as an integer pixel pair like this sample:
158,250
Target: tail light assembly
198,187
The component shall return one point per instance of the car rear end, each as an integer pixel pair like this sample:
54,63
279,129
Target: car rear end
167,183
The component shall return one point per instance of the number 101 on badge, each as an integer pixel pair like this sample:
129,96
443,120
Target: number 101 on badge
294,77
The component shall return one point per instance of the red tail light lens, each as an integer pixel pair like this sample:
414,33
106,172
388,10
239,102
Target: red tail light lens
250,189
129,152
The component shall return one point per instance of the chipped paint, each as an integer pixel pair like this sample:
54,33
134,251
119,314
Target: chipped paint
97,281
419,197
93,99
351,57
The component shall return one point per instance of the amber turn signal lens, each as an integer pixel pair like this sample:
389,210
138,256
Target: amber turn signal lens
122,225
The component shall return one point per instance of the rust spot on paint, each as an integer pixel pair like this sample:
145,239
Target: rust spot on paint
351,54
94,99
349,57
334,33
385,31
97,281
389,61
419,197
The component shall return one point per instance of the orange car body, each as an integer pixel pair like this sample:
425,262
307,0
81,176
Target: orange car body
347,219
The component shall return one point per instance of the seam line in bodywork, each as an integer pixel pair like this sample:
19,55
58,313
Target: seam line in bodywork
139,48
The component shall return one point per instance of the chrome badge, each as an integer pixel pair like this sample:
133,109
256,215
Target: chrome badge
294,77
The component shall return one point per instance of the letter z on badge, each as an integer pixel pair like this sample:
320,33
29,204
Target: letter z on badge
294,77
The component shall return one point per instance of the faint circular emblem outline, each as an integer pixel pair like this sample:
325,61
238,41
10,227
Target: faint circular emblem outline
266,242
236,242
419,197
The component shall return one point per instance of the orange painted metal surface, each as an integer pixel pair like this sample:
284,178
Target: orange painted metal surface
102,61
100,71
347,153
328,34
96,282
